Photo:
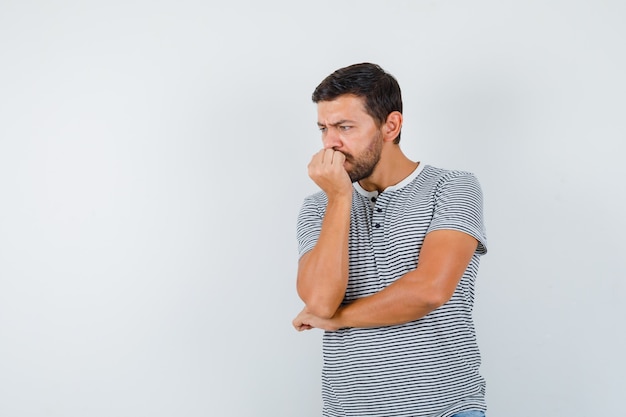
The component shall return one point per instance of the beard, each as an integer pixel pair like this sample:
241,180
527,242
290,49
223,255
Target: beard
363,165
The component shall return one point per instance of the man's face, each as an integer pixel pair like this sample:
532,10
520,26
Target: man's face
346,127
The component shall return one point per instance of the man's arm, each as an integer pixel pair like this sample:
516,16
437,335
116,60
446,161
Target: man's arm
444,256
323,271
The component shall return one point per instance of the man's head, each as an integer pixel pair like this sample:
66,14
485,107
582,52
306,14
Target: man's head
379,90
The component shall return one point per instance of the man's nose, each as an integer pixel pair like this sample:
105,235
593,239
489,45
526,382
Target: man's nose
331,140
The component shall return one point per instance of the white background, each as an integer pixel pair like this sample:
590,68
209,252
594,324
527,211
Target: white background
153,160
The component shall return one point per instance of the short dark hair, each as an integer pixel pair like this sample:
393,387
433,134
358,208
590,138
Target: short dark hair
379,89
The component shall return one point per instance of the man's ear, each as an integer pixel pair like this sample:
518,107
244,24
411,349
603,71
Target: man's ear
392,127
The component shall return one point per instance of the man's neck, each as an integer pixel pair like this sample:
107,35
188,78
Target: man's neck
392,168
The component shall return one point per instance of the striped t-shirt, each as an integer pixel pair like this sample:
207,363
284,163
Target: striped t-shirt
428,367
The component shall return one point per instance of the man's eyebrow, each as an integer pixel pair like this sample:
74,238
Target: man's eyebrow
340,122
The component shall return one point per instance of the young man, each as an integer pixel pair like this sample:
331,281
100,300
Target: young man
389,251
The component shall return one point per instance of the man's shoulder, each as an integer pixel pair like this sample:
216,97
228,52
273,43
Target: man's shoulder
438,172
438,176
316,198
314,202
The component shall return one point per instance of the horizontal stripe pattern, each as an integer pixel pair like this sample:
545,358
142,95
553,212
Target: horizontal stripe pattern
428,367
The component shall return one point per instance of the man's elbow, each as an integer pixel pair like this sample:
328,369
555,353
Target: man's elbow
431,300
320,306
436,299
322,309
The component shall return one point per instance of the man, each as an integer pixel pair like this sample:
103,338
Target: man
389,251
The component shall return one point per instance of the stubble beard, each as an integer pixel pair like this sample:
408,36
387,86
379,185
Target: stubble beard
363,166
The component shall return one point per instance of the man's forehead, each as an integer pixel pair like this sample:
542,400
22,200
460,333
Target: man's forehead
347,106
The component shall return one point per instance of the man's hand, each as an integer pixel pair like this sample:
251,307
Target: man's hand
307,321
327,171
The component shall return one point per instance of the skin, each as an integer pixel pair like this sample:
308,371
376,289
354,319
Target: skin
357,148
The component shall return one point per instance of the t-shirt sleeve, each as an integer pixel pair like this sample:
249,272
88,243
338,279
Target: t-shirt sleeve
309,225
459,206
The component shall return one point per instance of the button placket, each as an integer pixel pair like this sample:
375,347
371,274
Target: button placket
377,218
379,204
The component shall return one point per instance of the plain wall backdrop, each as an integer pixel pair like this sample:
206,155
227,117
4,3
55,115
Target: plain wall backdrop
153,160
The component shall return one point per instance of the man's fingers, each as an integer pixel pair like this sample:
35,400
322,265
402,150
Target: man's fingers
328,156
333,157
338,158
318,157
303,327
300,322
327,170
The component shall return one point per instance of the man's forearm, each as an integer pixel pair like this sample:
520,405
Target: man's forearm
396,304
444,257
401,302
323,271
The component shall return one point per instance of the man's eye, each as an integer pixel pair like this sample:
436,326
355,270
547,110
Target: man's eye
344,128
322,129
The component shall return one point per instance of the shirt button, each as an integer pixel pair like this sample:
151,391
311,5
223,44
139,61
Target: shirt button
373,199
377,225
379,210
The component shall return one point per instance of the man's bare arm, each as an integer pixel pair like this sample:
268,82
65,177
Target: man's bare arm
443,259
323,271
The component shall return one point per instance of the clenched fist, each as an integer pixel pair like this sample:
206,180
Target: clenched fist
327,171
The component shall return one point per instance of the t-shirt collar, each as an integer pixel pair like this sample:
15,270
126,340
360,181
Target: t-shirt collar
404,182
